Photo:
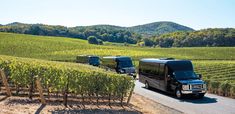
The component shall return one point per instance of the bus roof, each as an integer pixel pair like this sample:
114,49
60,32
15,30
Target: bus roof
115,57
163,61
173,64
87,56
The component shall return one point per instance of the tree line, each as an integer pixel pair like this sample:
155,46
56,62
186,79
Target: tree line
99,33
216,37
112,34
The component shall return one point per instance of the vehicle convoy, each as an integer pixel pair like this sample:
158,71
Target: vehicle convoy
173,76
88,59
121,64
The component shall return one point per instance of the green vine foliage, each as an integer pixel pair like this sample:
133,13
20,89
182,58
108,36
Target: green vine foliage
81,79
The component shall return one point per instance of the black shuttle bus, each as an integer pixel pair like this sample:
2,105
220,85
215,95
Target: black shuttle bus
121,64
88,59
174,76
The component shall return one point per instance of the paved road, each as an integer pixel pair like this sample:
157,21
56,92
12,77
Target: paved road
210,104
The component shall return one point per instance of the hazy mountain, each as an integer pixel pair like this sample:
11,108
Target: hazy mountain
113,27
158,28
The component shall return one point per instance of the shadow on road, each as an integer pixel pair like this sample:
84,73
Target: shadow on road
94,111
188,98
204,100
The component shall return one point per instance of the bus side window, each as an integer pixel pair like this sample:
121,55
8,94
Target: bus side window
162,71
156,70
143,69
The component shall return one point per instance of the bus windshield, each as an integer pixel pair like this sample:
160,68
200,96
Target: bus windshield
125,64
185,75
94,60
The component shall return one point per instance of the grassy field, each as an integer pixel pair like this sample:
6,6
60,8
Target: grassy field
58,48
214,63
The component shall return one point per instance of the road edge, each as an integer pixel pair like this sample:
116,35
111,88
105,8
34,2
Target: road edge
167,108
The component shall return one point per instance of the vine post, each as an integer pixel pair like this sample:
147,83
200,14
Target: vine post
40,90
131,92
4,79
66,92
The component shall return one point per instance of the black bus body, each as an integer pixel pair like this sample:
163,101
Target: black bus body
121,64
174,76
88,59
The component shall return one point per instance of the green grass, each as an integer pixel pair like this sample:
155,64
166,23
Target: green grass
60,48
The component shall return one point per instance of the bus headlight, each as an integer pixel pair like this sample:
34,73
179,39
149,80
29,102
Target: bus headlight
185,87
204,86
122,71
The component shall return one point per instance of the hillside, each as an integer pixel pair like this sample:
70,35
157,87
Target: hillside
158,28
109,33
106,27
214,63
155,28
61,48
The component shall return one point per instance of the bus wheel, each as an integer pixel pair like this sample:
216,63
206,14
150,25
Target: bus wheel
178,93
146,85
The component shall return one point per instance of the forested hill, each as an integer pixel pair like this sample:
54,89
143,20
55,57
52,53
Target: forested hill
150,29
102,32
158,28
213,37
109,33
167,34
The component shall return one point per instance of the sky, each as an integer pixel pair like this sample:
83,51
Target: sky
197,14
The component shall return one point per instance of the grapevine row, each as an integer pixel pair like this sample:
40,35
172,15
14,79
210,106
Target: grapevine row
219,75
78,79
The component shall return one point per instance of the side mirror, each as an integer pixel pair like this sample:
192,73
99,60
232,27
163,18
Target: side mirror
168,76
200,76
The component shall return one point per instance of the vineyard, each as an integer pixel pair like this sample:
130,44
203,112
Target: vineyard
219,75
66,78
216,64
61,48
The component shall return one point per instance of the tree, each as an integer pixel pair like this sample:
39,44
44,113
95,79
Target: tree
166,42
100,42
148,42
92,40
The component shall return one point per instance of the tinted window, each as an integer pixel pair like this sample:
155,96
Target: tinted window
125,63
185,75
149,69
156,68
94,60
143,68
180,65
82,59
161,69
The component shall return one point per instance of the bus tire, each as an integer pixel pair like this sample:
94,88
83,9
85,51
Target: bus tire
146,85
178,93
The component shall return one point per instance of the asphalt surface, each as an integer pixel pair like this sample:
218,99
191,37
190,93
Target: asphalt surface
210,104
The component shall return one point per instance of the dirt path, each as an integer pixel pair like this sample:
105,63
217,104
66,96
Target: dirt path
139,105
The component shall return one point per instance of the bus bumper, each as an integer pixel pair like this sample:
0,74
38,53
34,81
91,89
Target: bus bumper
192,92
